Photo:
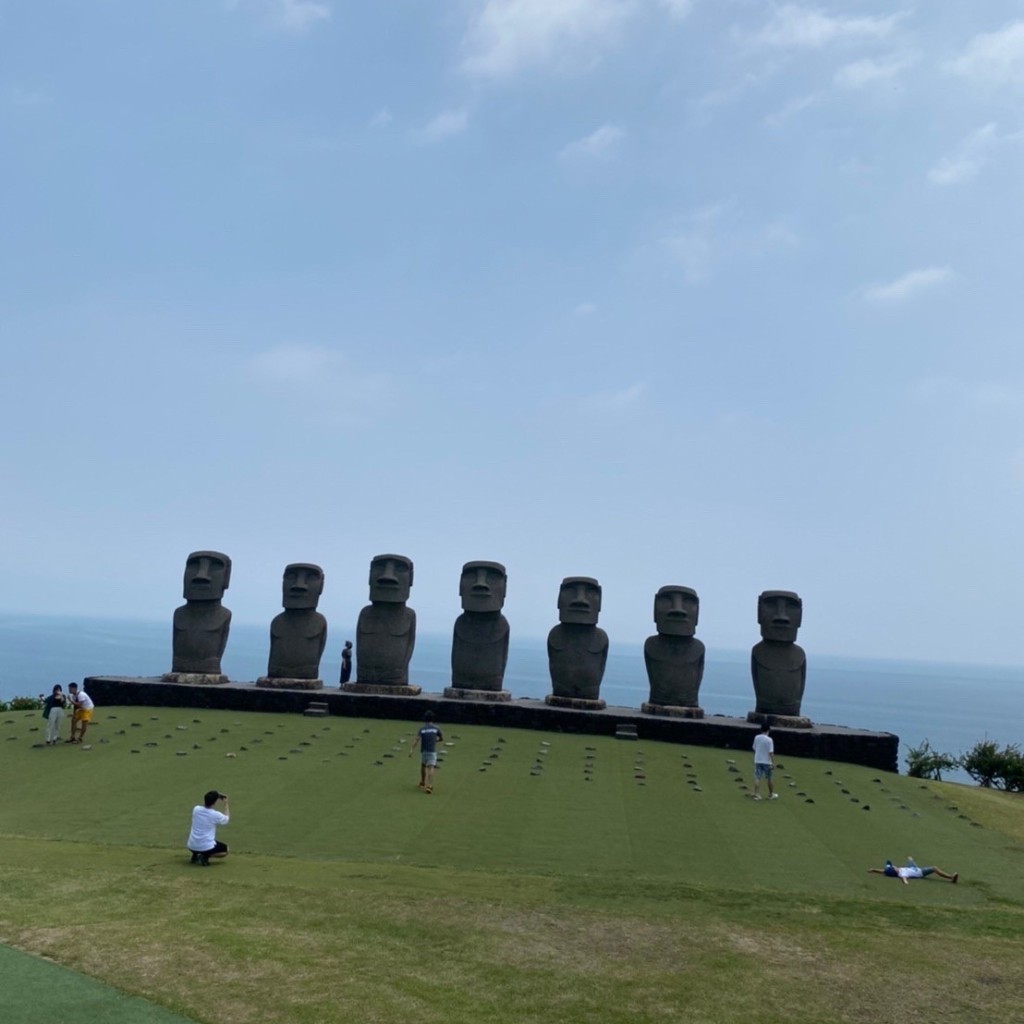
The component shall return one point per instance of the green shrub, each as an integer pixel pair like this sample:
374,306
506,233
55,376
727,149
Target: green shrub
994,768
24,704
925,763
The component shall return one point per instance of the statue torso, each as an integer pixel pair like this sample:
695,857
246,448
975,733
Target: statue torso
297,640
200,636
576,660
779,671
480,650
675,668
385,636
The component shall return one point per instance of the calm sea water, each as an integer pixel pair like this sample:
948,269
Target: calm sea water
953,706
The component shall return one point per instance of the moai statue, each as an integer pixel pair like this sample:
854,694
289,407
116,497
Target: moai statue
577,647
674,656
480,639
386,630
298,635
201,625
778,665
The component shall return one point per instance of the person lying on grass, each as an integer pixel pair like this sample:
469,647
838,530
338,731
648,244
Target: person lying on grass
911,870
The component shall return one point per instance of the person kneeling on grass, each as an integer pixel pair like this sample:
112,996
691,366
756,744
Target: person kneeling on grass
911,870
427,739
202,840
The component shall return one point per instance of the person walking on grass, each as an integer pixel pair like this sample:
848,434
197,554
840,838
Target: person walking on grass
764,762
202,839
53,712
911,870
427,739
81,716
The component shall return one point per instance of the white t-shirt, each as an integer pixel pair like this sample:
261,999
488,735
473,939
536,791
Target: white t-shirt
764,747
910,872
205,820
84,701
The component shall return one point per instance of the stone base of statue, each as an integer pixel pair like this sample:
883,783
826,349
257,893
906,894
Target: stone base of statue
195,678
461,693
672,710
576,703
383,689
282,683
782,721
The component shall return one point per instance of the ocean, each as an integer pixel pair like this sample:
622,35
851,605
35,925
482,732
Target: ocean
952,706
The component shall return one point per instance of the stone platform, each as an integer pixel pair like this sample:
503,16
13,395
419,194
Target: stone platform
828,742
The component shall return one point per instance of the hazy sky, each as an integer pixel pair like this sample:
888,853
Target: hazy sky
725,293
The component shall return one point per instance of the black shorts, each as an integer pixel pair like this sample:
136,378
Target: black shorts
218,847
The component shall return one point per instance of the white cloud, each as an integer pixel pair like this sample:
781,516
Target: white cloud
300,364
995,57
983,395
791,109
599,143
910,284
337,391
792,26
509,35
21,97
381,119
294,16
677,8
444,126
970,157
691,247
614,401
585,309
299,15
717,232
872,71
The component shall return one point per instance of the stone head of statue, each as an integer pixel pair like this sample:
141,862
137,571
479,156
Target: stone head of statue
482,586
676,610
207,575
390,578
302,585
779,614
579,600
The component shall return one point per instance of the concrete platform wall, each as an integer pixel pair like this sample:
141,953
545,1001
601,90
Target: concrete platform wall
831,743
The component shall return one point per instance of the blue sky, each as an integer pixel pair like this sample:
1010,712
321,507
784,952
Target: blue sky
721,293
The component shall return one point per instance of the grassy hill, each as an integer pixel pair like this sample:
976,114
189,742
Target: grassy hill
549,877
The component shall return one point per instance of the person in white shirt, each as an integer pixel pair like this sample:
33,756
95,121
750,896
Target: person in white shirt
764,762
81,716
202,839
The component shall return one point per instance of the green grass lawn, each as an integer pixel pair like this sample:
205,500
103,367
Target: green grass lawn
550,877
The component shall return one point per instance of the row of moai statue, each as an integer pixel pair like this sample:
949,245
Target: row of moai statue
577,646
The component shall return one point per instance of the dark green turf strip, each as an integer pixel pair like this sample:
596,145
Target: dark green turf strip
36,991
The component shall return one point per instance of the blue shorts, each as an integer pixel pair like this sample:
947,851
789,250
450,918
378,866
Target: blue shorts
763,771
428,759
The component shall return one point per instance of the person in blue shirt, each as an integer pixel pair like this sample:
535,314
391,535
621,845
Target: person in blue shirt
427,740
